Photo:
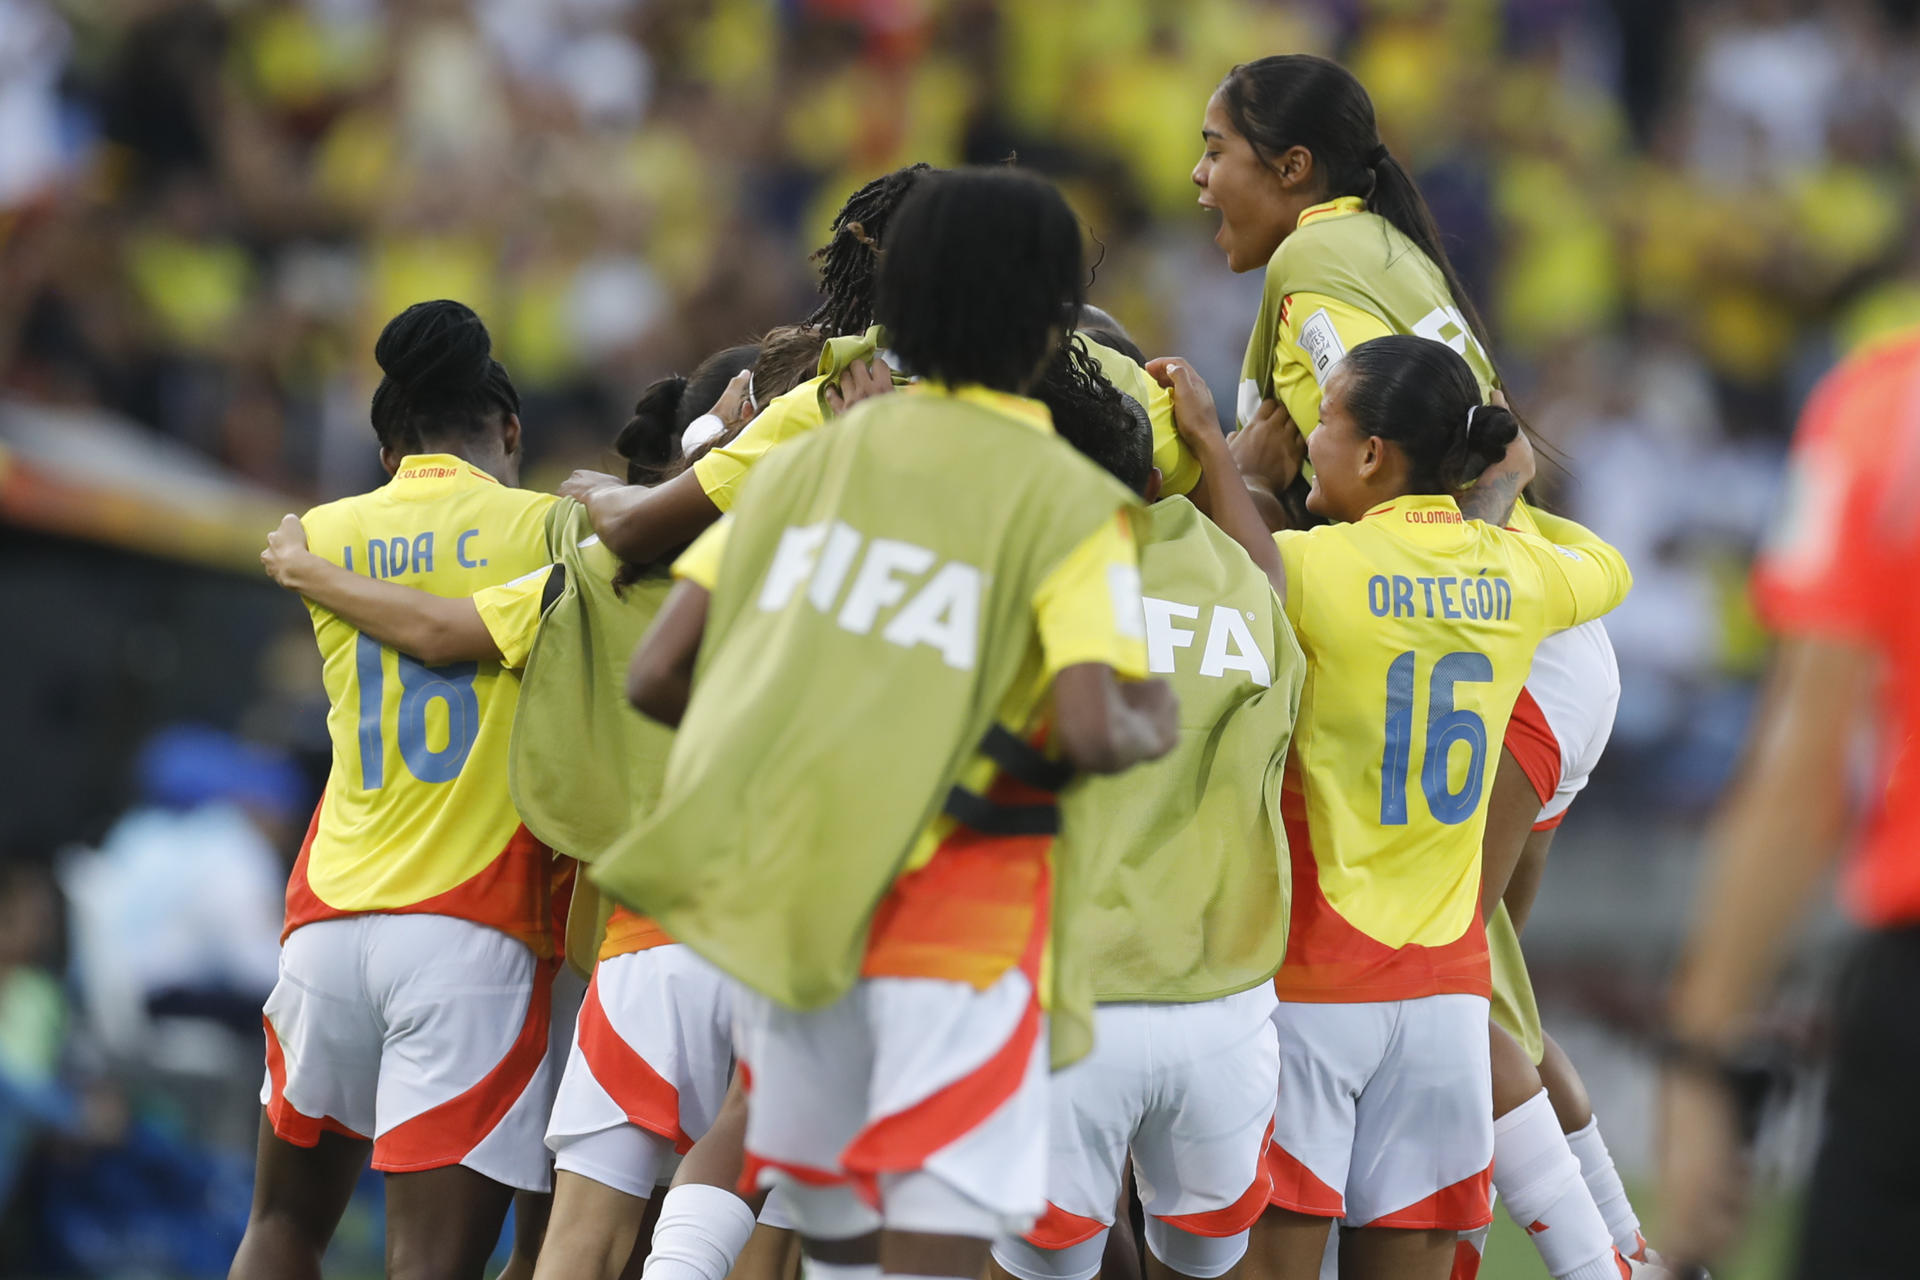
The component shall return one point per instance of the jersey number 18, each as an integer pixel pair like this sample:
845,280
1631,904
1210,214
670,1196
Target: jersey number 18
1446,725
420,687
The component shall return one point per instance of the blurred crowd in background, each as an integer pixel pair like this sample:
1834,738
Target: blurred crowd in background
1675,216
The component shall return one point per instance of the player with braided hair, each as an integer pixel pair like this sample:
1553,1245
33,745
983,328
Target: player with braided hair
846,260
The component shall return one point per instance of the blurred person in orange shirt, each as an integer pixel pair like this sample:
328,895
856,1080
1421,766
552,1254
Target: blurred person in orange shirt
1835,585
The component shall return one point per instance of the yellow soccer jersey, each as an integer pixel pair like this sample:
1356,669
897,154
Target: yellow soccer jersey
791,414
1179,469
416,815
1419,629
1345,276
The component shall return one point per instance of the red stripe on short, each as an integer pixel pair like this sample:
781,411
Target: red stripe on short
752,1166
443,1135
648,1098
1467,1205
1298,1189
1231,1220
1058,1229
1466,1261
290,1125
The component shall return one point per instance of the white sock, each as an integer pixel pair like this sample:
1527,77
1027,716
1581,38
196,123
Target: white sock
702,1229
1603,1180
1539,1178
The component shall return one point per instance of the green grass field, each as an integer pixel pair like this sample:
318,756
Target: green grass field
1766,1256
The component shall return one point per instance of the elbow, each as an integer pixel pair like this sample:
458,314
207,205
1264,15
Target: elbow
656,694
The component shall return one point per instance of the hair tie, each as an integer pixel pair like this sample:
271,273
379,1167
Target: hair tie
1377,156
1471,410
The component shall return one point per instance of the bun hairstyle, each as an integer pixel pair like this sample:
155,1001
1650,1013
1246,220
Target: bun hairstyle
1421,395
440,381
1298,100
650,442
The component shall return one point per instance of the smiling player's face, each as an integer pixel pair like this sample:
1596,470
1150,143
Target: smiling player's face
1254,201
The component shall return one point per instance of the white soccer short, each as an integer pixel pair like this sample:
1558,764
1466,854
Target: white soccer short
647,1070
1385,1113
426,1033
1564,716
902,1076
1189,1090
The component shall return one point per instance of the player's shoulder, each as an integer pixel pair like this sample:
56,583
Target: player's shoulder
1866,395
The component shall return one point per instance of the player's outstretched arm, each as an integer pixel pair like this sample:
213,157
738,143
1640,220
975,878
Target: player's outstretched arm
434,629
1228,501
660,677
1498,487
641,524
1104,725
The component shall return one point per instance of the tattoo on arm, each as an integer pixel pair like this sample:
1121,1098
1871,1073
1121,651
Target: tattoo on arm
1493,497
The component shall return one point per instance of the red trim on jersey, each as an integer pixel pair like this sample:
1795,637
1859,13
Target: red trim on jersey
1467,1205
443,1135
902,1142
290,1124
1329,961
1297,1188
647,1098
513,893
1232,1219
1530,740
1058,1229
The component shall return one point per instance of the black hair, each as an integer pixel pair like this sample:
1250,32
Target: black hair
650,442
1095,417
982,276
847,260
1421,395
440,380
1103,328
1299,100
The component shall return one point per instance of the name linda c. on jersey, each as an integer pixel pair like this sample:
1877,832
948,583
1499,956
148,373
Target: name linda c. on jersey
391,557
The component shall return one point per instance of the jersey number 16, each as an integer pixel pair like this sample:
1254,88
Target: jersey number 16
1446,725
420,687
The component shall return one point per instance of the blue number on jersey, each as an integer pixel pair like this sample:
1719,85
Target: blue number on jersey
420,687
1446,725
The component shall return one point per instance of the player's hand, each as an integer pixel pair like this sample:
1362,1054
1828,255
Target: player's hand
1159,709
1194,416
734,407
1703,1171
1270,449
286,552
863,380
583,484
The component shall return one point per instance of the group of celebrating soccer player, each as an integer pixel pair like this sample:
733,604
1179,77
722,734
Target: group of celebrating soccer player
947,772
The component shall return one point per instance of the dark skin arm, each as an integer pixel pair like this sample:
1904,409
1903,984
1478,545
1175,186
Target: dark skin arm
1227,499
435,629
660,677
1511,810
1492,496
1523,886
639,524
1773,839
1104,725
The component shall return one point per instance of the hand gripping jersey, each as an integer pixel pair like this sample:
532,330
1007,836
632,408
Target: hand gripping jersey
1841,565
582,767
1419,627
794,413
1196,907
416,815
886,593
